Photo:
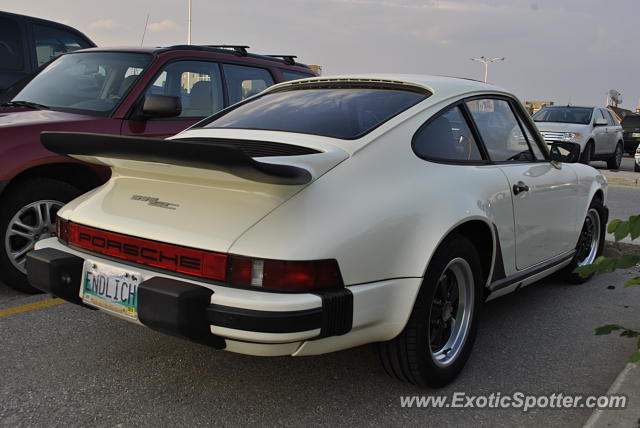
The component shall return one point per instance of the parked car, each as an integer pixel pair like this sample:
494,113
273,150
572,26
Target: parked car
27,43
139,92
328,213
631,128
595,129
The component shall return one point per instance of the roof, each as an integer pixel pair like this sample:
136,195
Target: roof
282,59
441,85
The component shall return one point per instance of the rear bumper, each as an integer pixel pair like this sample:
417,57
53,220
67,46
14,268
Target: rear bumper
240,320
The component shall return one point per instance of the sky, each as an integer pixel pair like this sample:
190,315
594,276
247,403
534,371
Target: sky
566,51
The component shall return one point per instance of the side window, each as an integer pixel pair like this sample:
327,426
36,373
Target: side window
293,75
197,83
600,115
51,42
612,120
500,130
243,82
537,153
11,52
446,137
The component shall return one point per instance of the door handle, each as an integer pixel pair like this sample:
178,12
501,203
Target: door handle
520,187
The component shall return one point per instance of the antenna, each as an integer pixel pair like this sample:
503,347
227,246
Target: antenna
144,32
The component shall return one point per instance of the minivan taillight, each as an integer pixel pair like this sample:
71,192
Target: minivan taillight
285,275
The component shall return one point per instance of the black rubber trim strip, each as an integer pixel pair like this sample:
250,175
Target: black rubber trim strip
498,265
521,276
353,84
193,154
337,312
264,321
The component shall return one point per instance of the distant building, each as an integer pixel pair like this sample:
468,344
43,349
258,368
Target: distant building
316,68
535,106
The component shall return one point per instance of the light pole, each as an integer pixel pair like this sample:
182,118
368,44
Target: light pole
189,25
486,62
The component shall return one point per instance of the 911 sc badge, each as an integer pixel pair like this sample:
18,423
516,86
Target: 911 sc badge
155,202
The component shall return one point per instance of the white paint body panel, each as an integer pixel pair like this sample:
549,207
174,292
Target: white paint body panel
372,205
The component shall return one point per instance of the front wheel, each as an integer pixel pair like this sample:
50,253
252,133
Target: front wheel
616,159
590,242
27,215
437,340
587,153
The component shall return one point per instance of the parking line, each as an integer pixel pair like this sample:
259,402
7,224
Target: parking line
31,307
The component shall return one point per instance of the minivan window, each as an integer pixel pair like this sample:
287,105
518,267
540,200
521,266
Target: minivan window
243,82
345,113
294,75
10,45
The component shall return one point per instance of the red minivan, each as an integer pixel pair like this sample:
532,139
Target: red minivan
131,91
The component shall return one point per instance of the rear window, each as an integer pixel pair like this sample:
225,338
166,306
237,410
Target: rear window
346,113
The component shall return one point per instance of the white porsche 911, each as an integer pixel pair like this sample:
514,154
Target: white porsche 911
328,213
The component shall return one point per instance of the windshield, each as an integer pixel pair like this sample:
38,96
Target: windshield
581,115
345,113
90,83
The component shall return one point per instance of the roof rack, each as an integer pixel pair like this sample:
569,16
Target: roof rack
240,49
288,59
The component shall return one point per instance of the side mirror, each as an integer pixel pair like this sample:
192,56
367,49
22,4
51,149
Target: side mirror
565,152
161,106
600,122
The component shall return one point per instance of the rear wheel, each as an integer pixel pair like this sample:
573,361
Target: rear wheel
590,242
587,153
616,159
27,215
437,340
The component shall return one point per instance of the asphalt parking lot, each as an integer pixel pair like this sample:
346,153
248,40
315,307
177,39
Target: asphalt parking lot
64,365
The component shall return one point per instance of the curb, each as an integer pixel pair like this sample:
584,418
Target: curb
622,181
627,383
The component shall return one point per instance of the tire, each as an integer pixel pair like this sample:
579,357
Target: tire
614,161
587,153
589,246
21,204
416,355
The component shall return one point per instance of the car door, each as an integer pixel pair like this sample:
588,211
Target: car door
204,88
601,133
544,195
613,131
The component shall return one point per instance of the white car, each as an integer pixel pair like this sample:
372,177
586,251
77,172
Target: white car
636,165
596,129
324,214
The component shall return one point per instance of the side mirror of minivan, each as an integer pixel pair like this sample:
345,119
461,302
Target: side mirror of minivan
161,106
600,122
565,152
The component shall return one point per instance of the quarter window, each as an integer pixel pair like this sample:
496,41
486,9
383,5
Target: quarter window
10,45
243,82
447,137
51,42
196,83
500,131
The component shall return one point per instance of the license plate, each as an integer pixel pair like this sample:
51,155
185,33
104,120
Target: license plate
109,288
635,135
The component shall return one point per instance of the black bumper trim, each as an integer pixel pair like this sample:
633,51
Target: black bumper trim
337,312
264,321
177,308
56,272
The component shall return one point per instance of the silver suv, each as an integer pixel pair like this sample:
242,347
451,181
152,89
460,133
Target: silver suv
595,129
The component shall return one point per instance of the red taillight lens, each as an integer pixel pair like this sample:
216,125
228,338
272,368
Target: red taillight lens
205,264
62,229
285,275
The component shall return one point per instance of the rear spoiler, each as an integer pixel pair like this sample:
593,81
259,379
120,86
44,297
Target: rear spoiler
195,154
